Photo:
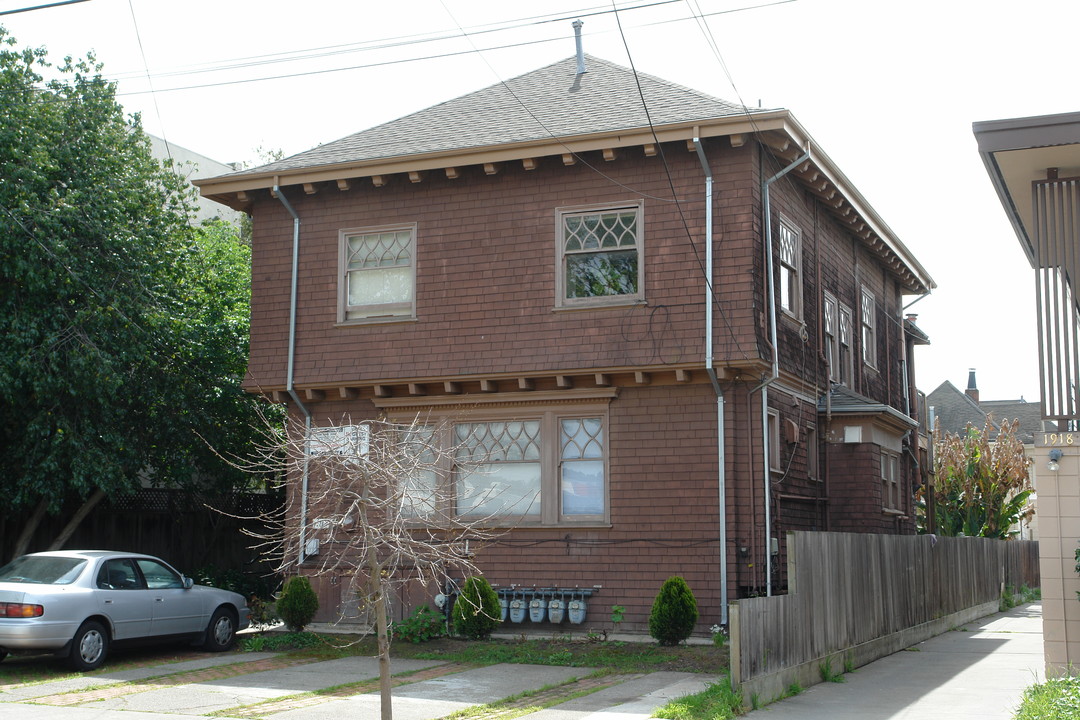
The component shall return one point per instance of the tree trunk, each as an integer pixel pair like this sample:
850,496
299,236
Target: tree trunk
385,697
31,525
77,518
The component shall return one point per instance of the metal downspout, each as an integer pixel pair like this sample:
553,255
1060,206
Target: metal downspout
775,372
721,473
301,552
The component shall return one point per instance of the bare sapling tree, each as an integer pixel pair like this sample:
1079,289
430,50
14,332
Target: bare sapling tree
372,505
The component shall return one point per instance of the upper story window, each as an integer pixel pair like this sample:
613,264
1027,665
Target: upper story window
845,354
789,240
830,337
869,329
836,336
378,273
599,252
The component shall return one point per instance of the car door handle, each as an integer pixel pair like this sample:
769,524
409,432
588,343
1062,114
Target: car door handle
108,602
159,599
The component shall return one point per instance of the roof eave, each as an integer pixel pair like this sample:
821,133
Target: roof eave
626,137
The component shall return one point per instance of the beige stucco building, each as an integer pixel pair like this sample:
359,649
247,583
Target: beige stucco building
1034,164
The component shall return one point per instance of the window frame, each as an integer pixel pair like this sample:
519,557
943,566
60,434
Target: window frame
890,482
813,471
774,440
830,331
562,302
790,269
551,462
845,347
376,312
868,327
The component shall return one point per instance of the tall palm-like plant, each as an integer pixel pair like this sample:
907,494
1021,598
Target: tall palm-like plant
981,487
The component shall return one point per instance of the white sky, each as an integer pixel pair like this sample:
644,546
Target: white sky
889,90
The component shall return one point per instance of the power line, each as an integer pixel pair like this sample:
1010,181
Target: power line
41,7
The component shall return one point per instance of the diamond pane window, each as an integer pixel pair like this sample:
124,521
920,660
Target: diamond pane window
600,256
498,468
378,273
582,460
790,284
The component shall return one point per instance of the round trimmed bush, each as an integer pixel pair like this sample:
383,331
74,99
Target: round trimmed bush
477,612
297,603
674,612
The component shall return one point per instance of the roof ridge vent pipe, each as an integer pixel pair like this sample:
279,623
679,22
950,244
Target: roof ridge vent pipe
302,551
580,54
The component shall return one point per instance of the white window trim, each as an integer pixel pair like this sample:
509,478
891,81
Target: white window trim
831,342
846,364
869,346
564,303
394,312
796,311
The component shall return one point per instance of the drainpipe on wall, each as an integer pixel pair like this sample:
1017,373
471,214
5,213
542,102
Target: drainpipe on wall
721,473
775,371
301,553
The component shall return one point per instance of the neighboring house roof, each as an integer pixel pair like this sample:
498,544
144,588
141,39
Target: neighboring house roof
954,410
191,165
1029,414
554,111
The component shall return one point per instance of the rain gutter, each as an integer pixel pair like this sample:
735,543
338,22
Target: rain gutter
289,388
721,472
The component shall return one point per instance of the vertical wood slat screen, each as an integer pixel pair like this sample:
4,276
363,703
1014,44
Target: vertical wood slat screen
1056,203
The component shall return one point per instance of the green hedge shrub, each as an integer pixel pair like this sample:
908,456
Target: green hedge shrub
674,612
424,624
477,612
297,604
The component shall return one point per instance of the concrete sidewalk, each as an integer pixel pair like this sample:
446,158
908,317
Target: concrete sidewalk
977,672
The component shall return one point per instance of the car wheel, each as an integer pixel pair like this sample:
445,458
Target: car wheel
89,646
3,654
221,632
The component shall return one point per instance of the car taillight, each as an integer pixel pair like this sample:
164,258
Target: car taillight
21,610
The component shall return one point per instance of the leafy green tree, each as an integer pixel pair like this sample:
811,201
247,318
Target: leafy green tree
981,487
124,327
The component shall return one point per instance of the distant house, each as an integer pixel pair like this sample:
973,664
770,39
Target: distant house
952,410
680,330
192,166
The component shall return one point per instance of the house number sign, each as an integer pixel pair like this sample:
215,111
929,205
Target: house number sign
1059,439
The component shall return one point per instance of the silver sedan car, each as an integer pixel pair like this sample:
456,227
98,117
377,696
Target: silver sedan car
79,603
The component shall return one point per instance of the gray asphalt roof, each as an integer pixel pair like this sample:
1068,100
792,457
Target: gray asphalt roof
553,101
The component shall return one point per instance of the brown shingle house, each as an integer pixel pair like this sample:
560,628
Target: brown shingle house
685,325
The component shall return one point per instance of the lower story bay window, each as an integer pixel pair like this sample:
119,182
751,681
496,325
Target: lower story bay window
531,468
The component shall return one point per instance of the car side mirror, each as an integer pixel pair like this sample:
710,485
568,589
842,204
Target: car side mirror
188,582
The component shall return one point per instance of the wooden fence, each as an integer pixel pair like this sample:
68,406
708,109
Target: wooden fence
856,597
175,525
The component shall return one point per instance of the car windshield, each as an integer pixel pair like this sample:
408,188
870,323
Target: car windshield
42,569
